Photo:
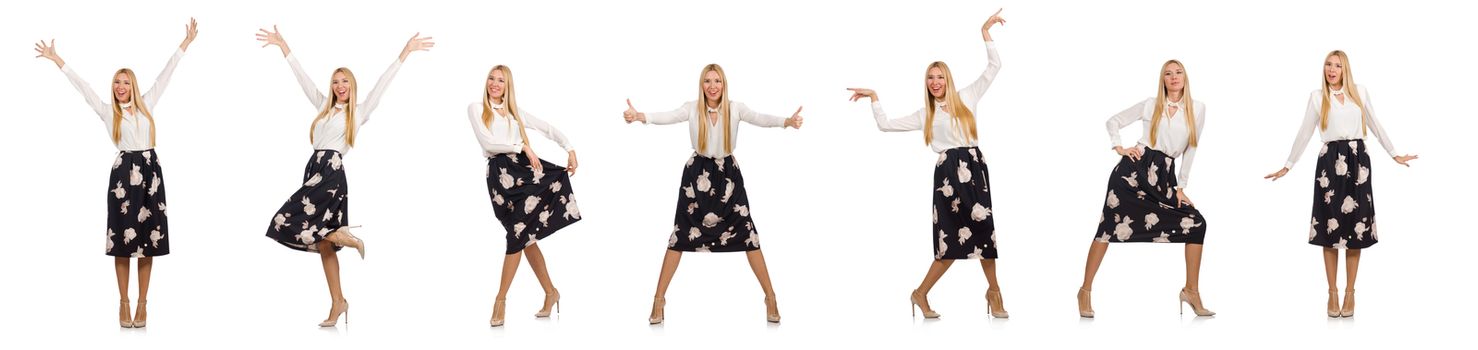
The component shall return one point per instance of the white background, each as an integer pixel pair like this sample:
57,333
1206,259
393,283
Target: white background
842,207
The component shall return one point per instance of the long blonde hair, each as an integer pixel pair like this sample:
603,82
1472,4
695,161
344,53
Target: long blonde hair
1186,103
962,115
138,102
509,103
723,108
333,99
1347,79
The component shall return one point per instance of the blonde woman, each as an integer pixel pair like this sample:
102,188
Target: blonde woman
1344,204
137,224
713,213
532,198
964,227
315,218
1147,200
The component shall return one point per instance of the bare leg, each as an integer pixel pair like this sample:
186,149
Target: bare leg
1193,278
1331,273
669,267
510,267
1096,251
1352,267
331,274
146,268
120,268
761,272
936,270
993,292
541,271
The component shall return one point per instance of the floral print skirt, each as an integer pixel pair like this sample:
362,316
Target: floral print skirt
713,209
318,208
531,204
137,225
1141,205
1344,206
964,227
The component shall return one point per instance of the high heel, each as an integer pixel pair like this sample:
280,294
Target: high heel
545,312
124,320
1334,311
1349,308
771,316
497,320
333,318
1085,303
993,298
913,301
342,237
1185,297
658,303
141,316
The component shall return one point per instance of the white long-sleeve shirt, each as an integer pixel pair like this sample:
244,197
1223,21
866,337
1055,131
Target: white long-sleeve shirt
1173,138
1344,123
504,136
133,130
946,134
329,133
688,113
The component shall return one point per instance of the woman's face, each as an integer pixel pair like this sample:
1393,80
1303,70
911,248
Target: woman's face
713,86
340,86
935,82
1174,78
1334,71
497,83
122,88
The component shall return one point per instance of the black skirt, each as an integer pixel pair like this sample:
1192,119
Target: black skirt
1344,207
1141,205
964,227
137,224
318,208
713,209
530,204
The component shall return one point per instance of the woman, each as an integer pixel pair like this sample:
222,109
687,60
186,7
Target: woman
712,205
963,225
1147,201
1344,206
531,197
137,224
314,218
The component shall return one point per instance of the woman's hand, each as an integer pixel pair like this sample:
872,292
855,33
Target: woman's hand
989,22
1182,200
795,120
273,37
572,164
533,158
1134,153
1276,174
859,93
631,115
189,35
416,43
48,51
1403,159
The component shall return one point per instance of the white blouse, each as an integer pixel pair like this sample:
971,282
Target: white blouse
329,133
503,136
946,134
688,113
133,130
1173,138
1344,123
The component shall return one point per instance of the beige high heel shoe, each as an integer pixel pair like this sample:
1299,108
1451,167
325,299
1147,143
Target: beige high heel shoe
124,320
1334,311
343,238
545,312
141,316
993,298
497,320
1347,311
772,312
658,303
1085,303
334,316
913,301
1185,297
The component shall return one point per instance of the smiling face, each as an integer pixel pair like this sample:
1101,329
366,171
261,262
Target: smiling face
1173,77
713,87
497,84
1334,71
341,86
122,87
936,82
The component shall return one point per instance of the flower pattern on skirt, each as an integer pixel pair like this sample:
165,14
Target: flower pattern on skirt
964,225
318,208
1141,205
137,224
1344,205
530,204
713,209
